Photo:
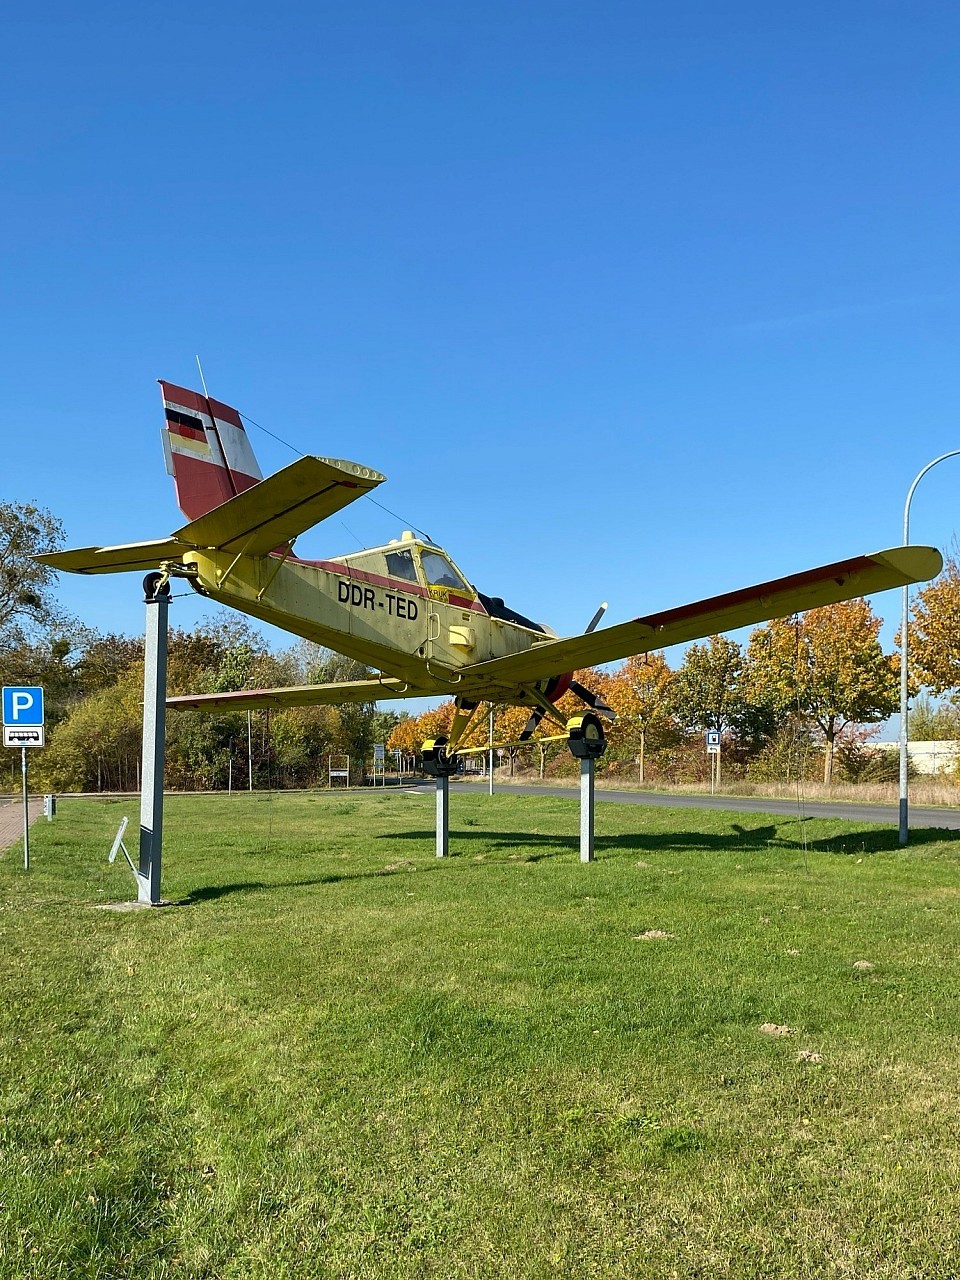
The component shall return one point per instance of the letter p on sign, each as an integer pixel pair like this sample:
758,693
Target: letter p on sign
22,706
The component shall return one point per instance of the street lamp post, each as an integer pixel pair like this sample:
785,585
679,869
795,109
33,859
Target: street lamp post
904,654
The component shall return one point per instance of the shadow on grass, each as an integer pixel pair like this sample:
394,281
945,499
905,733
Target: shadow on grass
740,839
533,847
211,892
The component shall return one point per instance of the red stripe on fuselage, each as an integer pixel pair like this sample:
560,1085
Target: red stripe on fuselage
391,584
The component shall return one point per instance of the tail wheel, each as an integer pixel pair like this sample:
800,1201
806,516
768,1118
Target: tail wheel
436,762
585,736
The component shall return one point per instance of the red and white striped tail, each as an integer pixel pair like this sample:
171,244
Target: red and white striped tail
206,449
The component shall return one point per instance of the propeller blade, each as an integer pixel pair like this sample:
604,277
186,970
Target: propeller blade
591,625
594,700
535,717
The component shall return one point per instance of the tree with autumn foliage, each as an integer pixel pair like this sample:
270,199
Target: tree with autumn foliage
827,666
639,692
935,631
410,732
509,722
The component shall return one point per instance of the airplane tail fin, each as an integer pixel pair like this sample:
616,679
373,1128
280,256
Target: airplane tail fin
206,450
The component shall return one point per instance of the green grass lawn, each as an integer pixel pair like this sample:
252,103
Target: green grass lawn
335,1056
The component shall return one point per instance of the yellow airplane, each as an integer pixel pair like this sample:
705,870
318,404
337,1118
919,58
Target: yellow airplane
405,609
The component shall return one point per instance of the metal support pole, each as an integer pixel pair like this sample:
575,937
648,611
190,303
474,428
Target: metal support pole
904,660
249,750
157,598
587,770
26,810
490,757
904,713
443,817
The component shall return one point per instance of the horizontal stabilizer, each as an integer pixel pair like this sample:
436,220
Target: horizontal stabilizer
133,555
829,584
276,510
306,695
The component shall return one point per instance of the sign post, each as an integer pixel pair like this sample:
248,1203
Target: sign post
713,751
23,727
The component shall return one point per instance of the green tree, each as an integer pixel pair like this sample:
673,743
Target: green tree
69,661
932,723
827,666
709,691
97,745
27,601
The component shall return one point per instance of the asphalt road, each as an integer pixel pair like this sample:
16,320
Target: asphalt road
884,814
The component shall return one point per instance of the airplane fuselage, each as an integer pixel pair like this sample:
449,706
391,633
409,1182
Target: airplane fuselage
415,632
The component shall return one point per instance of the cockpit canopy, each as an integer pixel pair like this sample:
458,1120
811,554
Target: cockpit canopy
410,560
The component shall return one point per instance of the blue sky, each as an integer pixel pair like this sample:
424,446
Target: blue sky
635,302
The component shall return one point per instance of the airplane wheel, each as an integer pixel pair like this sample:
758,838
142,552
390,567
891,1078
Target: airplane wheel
436,762
155,586
585,736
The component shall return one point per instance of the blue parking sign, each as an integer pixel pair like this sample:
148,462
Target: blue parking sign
22,706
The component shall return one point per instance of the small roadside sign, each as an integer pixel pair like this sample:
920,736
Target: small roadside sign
22,706
26,737
22,716
713,742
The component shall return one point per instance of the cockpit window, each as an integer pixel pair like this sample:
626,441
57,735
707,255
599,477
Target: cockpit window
400,565
440,572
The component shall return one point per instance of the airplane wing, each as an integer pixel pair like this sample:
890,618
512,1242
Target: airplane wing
305,695
829,584
132,555
277,509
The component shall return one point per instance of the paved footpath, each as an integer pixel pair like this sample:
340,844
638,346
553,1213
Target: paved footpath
11,820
